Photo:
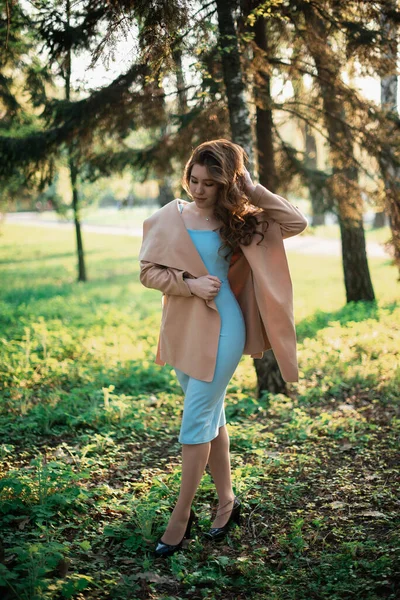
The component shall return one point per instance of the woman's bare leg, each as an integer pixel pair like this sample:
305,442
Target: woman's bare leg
194,461
220,467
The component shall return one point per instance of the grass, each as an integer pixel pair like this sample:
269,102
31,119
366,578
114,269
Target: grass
90,462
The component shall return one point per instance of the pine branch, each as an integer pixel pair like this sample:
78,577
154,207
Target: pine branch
322,132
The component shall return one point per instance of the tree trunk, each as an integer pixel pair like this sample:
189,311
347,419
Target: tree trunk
264,123
180,82
358,283
316,196
165,194
269,377
75,206
73,171
379,220
346,193
310,173
390,172
239,115
344,186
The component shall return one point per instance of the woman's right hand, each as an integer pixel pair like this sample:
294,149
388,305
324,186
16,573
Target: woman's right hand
206,287
248,184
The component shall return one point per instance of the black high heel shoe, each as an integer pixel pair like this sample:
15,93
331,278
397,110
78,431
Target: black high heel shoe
163,549
218,533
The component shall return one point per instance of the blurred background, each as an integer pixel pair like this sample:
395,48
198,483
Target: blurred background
102,103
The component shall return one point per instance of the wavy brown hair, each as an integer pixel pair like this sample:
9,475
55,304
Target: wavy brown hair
225,162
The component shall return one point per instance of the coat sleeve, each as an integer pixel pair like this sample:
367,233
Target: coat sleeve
168,280
290,219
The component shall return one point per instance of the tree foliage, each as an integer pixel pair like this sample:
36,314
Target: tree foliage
354,42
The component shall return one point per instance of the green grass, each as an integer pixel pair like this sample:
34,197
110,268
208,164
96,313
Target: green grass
90,462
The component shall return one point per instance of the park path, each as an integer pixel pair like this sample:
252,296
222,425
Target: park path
303,244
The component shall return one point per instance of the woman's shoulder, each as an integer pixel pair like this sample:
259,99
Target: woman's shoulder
163,210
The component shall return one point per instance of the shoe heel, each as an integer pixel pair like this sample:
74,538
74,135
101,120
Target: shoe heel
236,516
192,520
164,549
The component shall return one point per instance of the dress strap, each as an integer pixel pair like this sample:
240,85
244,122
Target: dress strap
180,207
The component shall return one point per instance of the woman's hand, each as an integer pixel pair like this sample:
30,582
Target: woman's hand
248,184
206,287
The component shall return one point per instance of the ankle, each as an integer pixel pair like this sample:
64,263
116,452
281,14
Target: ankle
181,512
226,501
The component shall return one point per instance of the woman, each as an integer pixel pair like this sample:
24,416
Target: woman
220,263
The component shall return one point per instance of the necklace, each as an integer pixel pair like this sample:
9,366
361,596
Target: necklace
206,218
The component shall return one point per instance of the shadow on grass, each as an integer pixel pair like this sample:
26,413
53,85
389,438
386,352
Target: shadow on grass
352,312
140,377
35,290
78,404
41,257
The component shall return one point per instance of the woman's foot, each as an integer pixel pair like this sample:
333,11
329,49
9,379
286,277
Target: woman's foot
223,512
218,533
176,528
164,549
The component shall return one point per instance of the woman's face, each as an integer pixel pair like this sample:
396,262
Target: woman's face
203,188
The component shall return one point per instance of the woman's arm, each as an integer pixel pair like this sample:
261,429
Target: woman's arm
290,219
165,279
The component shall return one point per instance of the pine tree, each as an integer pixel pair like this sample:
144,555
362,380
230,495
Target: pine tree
22,81
344,182
269,377
390,167
239,116
267,172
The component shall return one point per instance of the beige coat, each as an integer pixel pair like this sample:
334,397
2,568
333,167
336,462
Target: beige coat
259,278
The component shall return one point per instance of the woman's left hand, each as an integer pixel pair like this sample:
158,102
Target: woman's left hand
249,186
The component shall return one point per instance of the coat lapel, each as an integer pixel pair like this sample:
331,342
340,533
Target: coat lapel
167,242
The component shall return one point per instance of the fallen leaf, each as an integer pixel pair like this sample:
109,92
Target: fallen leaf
23,522
336,505
154,577
345,447
128,561
372,513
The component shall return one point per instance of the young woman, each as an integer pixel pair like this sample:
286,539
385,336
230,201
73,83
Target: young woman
221,265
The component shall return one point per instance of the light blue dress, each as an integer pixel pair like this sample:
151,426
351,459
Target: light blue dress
203,409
